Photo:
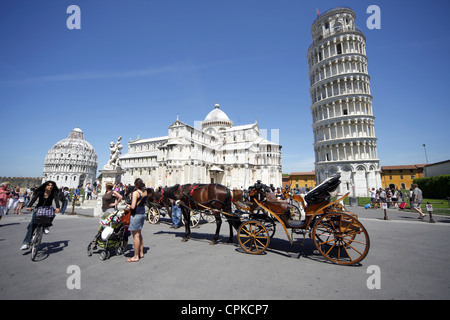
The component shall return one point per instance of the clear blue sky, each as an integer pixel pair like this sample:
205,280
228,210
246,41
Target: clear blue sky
136,64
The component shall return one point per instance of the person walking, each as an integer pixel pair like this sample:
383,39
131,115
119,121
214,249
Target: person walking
45,195
13,201
76,196
417,200
22,194
88,191
372,197
377,200
382,195
64,197
138,200
27,197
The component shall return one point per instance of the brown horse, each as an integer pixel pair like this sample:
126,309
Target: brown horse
203,196
154,197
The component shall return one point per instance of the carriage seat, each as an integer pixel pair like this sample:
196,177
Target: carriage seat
296,223
242,205
242,215
321,193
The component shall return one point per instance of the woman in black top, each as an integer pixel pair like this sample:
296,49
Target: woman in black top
45,194
137,219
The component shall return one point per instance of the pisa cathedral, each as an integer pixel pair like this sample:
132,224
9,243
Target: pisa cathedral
341,103
216,152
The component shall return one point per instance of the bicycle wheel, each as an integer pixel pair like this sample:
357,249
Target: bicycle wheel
36,241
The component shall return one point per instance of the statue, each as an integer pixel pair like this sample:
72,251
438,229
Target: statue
111,173
115,149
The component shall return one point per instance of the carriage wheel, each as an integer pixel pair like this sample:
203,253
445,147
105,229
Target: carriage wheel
208,217
266,219
270,225
195,218
341,238
153,215
253,237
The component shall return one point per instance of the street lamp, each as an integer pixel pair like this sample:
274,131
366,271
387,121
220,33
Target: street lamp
425,149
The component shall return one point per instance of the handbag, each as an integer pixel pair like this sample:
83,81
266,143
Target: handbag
127,214
46,211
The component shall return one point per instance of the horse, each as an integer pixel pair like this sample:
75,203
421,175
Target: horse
154,197
204,196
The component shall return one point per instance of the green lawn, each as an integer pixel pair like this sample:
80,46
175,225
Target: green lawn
439,205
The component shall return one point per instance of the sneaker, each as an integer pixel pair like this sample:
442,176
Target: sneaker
24,247
46,230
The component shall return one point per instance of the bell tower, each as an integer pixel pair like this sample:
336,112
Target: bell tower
341,103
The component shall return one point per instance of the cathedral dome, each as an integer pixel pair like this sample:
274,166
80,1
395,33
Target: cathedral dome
217,118
71,161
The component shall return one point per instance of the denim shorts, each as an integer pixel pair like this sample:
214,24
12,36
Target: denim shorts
136,222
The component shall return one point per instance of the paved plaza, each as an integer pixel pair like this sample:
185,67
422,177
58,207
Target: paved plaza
411,256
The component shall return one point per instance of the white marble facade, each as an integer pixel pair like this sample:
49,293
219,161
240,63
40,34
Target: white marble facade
71,162
218,152
343,121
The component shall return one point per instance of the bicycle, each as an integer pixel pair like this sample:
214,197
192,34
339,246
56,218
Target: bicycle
40,222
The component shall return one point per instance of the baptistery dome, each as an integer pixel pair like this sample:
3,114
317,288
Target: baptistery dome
71,162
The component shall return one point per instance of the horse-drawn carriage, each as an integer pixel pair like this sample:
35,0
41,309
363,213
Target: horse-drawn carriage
337,234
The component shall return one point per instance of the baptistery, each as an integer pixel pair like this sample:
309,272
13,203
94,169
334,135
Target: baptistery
71,162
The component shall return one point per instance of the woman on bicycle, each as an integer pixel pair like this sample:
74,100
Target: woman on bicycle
45,194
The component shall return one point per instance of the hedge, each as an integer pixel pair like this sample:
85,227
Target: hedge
437,187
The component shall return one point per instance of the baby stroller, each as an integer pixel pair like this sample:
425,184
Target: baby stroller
112,234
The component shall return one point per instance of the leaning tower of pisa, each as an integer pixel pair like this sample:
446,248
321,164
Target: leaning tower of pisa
341,103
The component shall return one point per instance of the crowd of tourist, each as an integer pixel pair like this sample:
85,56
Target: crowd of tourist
13,199
397,199
391,196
